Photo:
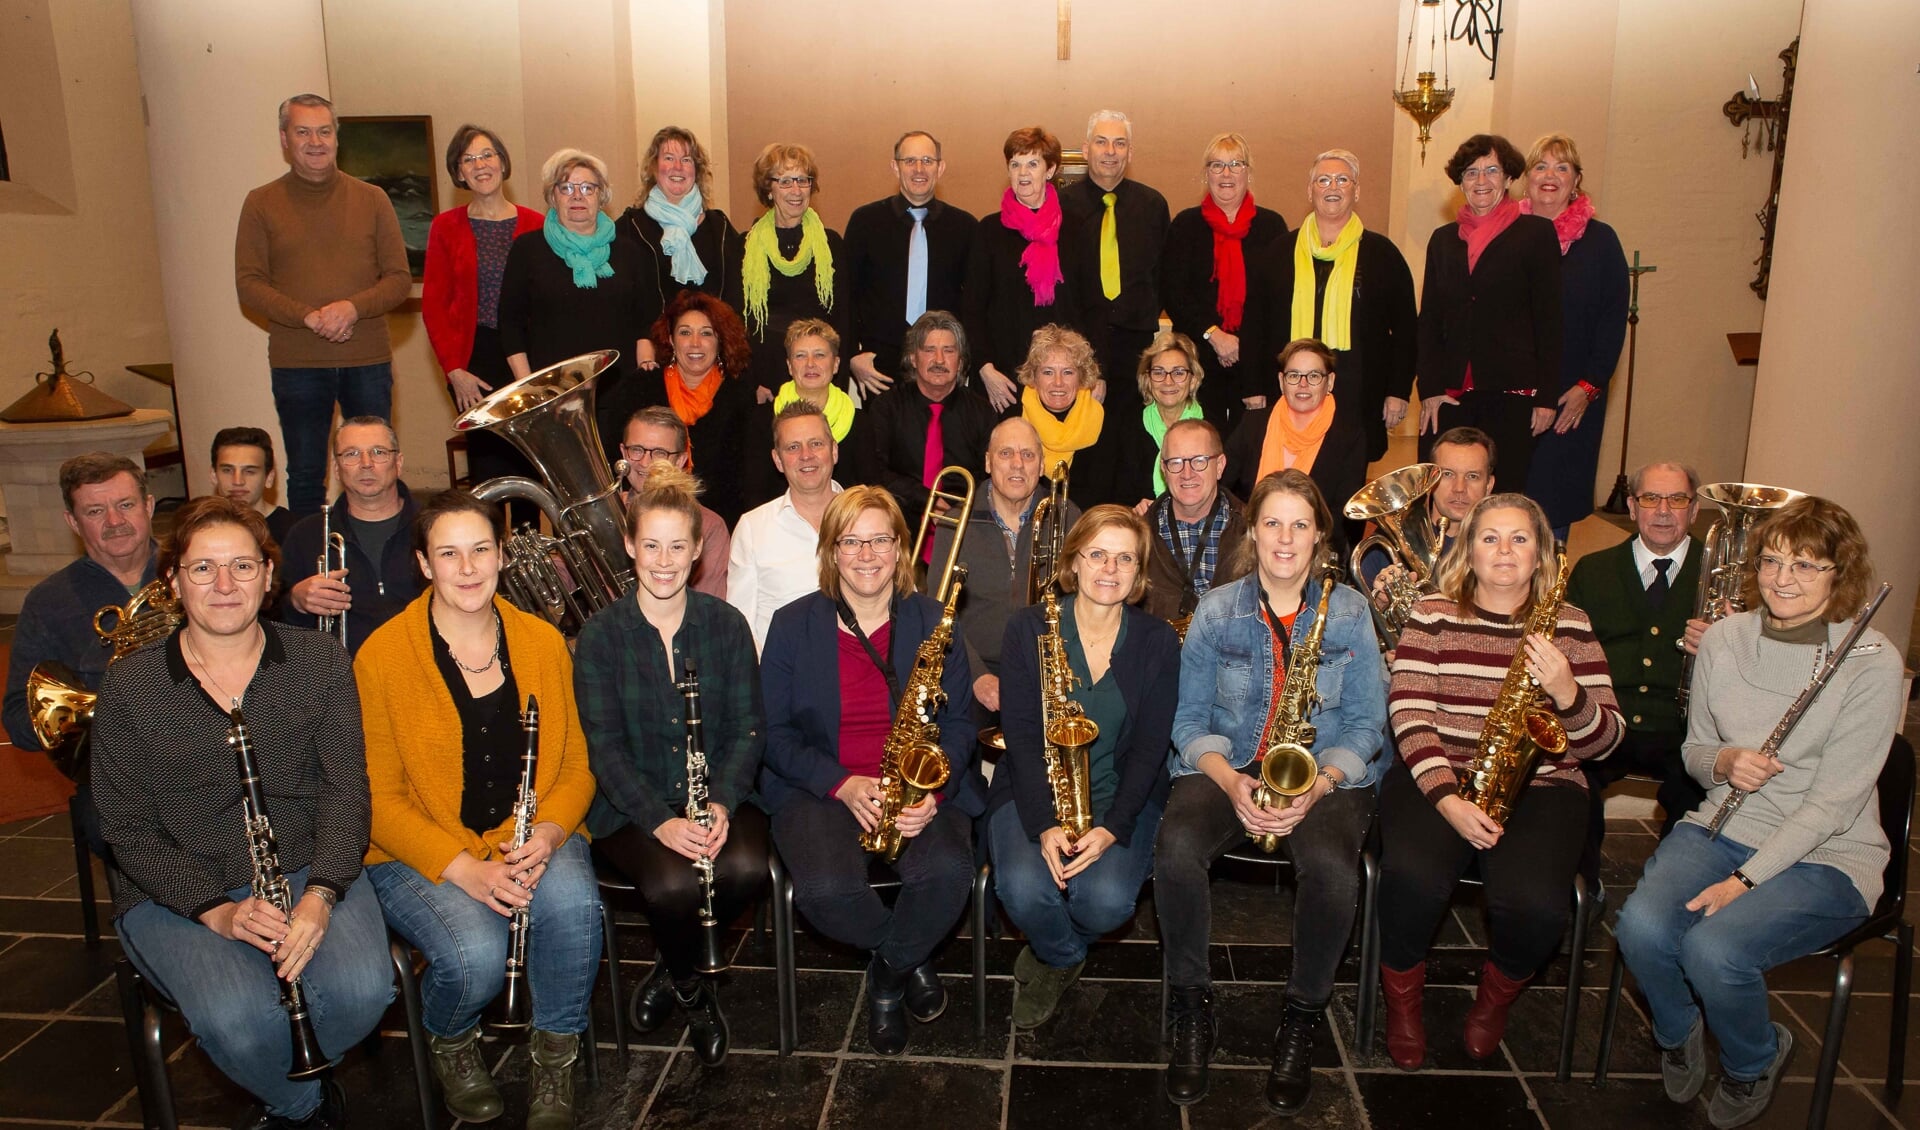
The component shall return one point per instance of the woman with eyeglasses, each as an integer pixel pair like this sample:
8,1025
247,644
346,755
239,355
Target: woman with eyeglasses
1309,430
460,292
705,383
1064,891
575,289
689,244
833,669
1209,267
788,270
169,800
1169,376
1801,862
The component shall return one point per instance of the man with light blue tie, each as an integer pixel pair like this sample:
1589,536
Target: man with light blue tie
907,254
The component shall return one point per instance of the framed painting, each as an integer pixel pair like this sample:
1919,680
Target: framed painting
396,155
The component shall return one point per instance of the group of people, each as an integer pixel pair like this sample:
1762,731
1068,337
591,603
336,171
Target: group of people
1180,581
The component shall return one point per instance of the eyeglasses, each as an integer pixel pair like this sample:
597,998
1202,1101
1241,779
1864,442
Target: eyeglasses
917,162
881,545
241,569
792,182
471,159
1677,501
1100,558
1490,172
378,456
1328,180
577,188
1218,167
1177,373
1312,378
1803,571
635,452
1179,463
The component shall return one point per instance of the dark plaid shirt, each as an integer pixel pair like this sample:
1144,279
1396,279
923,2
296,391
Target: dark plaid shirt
636,720
1208,529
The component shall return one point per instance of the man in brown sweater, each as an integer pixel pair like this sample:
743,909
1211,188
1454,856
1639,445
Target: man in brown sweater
319,256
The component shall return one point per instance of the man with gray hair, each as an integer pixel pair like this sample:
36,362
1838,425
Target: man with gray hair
921,426
1111,236
319,257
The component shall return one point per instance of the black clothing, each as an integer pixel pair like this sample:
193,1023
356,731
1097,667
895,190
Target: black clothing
719,440
671,890
999,314
56,622
379,592
491,738
1141,223
878,235
715,241
1338,470
1508,421
278,523
899,437
1192,297
1503,319
789,300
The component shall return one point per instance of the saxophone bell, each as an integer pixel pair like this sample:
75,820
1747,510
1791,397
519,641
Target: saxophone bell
1287,764
914,764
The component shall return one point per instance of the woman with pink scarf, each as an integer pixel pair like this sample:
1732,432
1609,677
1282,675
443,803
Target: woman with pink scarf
1014,281
1593,303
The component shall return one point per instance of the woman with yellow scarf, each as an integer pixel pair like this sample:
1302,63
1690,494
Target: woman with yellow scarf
1057,399
788,270
1310,430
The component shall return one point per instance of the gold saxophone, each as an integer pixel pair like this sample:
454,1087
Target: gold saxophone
913,764
1519,727
1287,767
1067,731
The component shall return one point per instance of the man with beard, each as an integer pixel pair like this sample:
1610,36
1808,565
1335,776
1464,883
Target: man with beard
922,427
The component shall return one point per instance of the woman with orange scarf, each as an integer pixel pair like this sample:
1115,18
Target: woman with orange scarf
706,387
1309,430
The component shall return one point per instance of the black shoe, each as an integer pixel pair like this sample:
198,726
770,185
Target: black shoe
707,1027
926,997
331,1115
1290,1081
886,1008
1194,1034
652,1001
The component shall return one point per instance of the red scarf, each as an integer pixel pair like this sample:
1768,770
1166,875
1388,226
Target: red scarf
1479,231
1229,258
1571,223
1041,230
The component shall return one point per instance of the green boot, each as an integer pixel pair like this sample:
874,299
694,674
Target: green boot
1039,998
466,1086
551,1084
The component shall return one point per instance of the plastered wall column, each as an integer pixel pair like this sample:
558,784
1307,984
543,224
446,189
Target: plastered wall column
1839,379
213,74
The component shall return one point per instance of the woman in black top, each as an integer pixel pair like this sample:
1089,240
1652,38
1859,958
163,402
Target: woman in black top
705,349
688,244
789,266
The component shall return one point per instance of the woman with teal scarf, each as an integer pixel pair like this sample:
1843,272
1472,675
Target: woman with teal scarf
787,270
571,288
1169,375
686,242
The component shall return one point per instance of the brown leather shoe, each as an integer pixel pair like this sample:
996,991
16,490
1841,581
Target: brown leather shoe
1404,993
1487,1020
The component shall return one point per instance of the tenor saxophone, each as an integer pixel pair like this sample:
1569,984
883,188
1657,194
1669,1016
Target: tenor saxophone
1068,734
913,764
1519,726
1287,767
711,959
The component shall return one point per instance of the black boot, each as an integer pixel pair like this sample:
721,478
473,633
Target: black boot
708,1028
1290,1082
1194,1033
652,1000
886,1007
926,997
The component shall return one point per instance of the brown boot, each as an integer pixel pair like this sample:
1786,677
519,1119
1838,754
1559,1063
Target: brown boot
1406,1026
1487,1020
550,1082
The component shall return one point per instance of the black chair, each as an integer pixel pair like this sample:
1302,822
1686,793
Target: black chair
1888,921
83,869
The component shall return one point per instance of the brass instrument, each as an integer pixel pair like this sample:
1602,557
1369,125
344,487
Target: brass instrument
1067,732
60,705
1723,557
1413,541
1287,766
333,548
516,998
1049,532
913,763
959,506
1849,646
581,566
270,886
152,614
1519,728
710,959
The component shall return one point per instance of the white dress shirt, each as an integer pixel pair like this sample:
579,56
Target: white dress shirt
774,560
1643,560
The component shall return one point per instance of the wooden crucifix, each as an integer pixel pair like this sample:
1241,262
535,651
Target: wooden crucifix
1063,29
1744,109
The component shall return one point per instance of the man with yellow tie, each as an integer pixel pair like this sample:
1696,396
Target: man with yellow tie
1111,238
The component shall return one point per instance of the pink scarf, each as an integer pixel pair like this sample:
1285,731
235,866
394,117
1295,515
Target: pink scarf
1479,231
1571,223
1041,230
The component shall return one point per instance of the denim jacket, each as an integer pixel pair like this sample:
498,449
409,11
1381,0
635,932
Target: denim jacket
1226,675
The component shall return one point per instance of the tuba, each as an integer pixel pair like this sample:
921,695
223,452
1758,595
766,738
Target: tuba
1066,730
913,764
1723,561
1518,727
1412,540
959,507
1287,767
581,566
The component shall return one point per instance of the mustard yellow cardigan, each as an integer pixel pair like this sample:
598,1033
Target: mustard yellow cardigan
414,761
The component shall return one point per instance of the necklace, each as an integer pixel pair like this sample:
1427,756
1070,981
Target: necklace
491,659
186,643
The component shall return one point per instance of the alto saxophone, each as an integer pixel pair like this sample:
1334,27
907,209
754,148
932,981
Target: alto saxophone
710,959
1287,767
1067,731
1519,727
913,763
516,1000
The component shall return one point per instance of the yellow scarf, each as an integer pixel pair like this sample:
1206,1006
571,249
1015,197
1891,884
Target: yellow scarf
1336,313
839,407
763,258
1289,446
1059,439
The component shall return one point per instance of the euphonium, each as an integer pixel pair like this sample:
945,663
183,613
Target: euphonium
711,958
1412,540
516,998
1066,731
1287,767
1519,728
1723,557
913,764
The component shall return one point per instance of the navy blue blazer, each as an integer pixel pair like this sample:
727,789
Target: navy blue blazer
800,680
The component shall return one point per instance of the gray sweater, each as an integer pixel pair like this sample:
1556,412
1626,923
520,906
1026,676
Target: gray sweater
1823,808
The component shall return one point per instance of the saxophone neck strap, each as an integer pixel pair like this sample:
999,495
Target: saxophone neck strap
1282,638
1189,597
886,669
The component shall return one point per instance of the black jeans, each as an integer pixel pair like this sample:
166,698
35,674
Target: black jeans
1505,417
671,888
1200,826
1654,755
1527,875
820,842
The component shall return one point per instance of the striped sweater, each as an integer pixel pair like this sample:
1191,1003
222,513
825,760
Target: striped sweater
1448,670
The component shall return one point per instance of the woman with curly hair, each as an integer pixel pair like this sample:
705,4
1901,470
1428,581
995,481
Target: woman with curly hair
787,272
706,348
688,244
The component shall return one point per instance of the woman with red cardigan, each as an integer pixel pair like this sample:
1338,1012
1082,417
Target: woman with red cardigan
460,293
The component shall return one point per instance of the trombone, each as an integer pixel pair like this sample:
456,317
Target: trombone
1049,532
959,506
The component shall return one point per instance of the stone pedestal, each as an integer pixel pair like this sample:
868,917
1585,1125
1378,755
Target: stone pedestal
30,458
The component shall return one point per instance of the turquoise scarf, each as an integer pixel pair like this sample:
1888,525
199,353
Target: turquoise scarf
1157,428
677,225
586,254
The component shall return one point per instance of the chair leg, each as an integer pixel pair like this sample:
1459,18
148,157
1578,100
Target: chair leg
1902,990
1369,951
783,957
1576,970
593,1047
1616,984
611,934
1830,1046
149,1057
416,1031
982,891
83,870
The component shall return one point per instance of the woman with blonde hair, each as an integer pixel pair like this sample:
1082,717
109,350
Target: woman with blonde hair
1057,398
1169,377
788,267
688,245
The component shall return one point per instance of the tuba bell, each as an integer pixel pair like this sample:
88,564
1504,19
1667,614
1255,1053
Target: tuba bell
1723,558
1412,540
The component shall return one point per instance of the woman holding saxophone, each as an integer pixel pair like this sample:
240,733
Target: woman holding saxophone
1247,640
1800,862
442,687
628,665
1496,639
1068,868
835,665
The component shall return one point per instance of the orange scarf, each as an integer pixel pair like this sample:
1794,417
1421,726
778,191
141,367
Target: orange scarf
692,403
1290,446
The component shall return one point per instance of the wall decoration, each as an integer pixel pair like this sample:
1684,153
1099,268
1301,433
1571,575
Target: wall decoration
396,155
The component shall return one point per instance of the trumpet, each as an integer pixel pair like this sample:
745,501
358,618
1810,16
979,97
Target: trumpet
1412,541
1723,559
959,506
333,548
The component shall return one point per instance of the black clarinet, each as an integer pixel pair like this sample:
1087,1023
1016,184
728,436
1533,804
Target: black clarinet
270,887
711,958
516,1002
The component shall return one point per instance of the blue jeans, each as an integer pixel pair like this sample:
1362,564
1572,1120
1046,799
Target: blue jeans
305,399
230,997
1678,954
466,943
1059,925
